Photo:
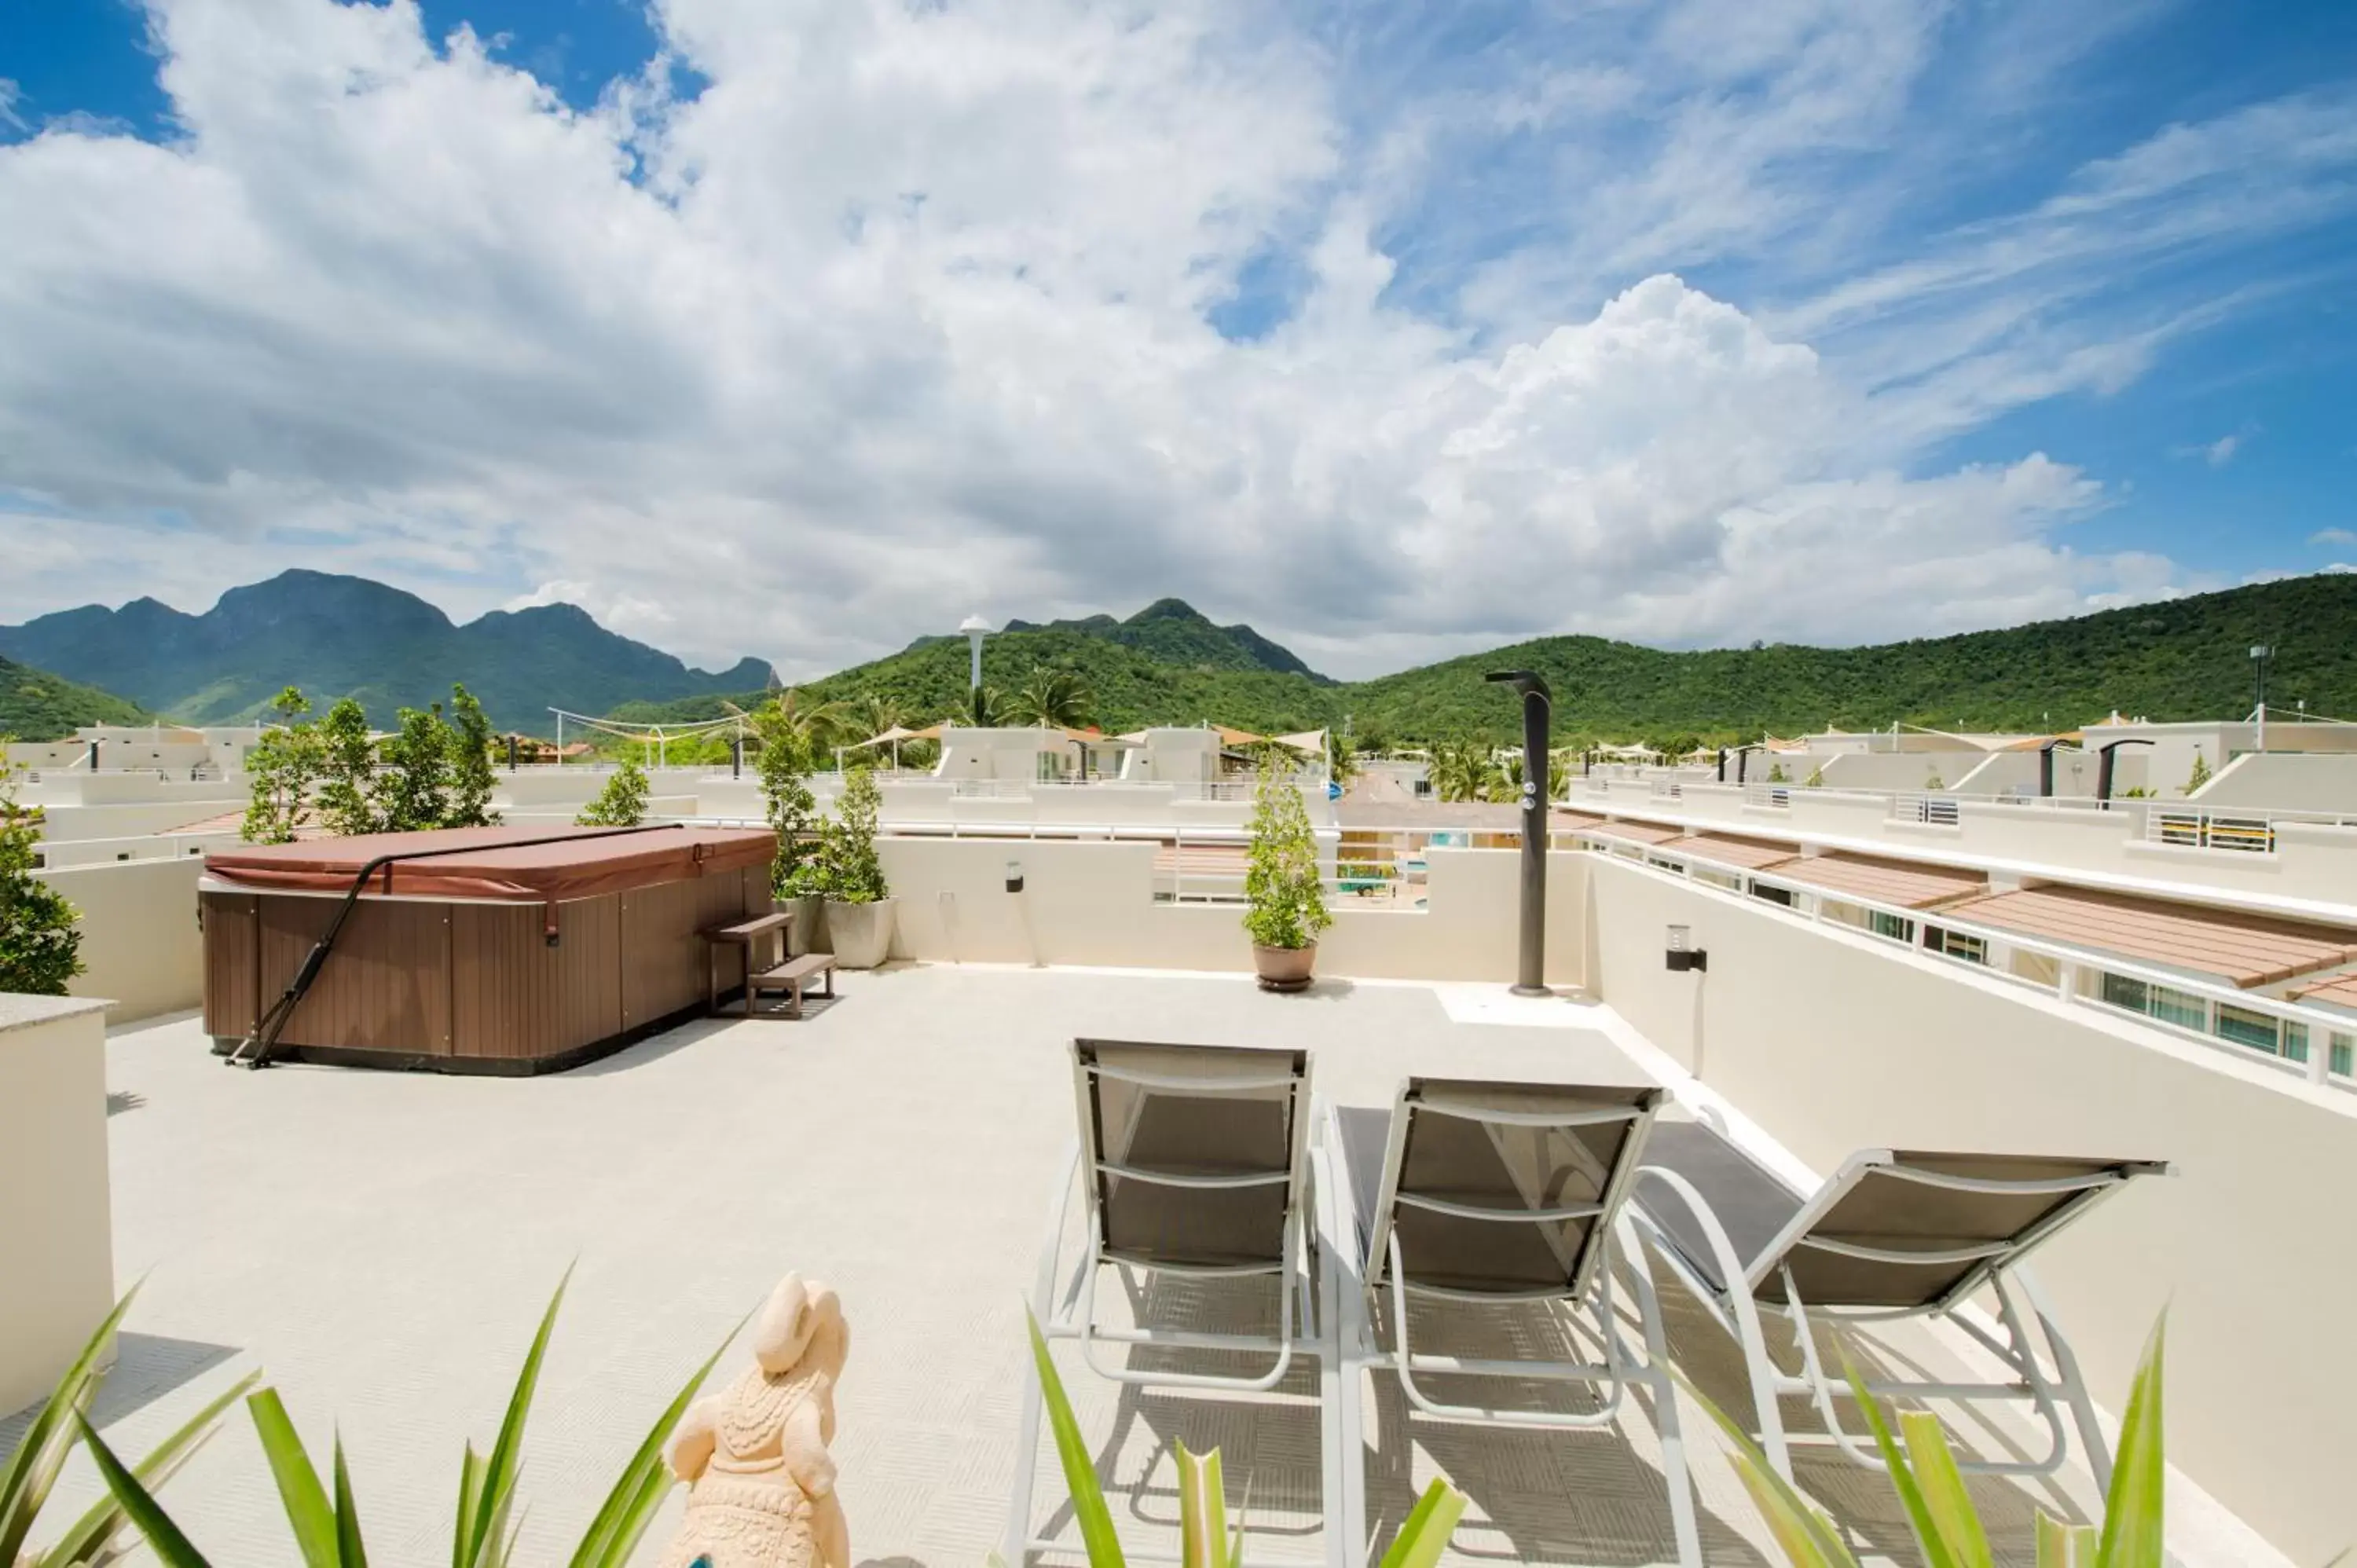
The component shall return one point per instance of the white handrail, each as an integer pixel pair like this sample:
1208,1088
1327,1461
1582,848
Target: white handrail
2321,1026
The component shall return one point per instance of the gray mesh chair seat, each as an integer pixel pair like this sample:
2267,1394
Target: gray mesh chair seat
1475,1196
1896,1233
1195,1151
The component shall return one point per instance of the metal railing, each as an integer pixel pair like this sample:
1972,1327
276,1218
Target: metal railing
71,855
2311,1043
1931,810
2185,829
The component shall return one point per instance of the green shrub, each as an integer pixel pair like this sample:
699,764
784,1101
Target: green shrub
412,789
784,767
282,767
471,776
40,950
849,869
345,800
2201,774
623,803
1288,905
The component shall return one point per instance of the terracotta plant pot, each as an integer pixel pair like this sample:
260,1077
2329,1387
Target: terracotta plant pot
807,933
861,933
1284,969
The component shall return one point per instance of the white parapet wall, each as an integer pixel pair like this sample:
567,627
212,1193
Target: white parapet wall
140,945
1835,1042
1093,903
56,1245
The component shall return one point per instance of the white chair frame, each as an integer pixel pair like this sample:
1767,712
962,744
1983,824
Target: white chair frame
1590,1294
1064,1303
1998,1267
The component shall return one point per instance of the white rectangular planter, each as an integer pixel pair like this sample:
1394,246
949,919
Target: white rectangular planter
861,933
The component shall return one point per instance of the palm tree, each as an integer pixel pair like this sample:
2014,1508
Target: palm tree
1506,778
1461,771
983,708
873,714
1053,699
810,727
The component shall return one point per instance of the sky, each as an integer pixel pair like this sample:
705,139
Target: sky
799,328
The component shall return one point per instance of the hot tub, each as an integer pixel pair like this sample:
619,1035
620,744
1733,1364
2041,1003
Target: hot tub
508,949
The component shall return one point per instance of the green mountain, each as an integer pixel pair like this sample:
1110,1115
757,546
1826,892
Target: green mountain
338,636
1172,631
1130,686
38,705
2182,659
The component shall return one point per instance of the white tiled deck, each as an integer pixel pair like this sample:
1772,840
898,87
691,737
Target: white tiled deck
381,1244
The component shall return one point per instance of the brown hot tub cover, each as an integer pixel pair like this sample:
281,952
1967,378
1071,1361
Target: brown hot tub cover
493,863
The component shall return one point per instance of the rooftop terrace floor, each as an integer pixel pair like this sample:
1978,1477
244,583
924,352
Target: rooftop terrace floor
381,1244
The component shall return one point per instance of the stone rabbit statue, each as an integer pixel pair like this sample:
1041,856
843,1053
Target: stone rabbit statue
761,1483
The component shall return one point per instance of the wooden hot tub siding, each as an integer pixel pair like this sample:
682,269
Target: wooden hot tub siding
474,987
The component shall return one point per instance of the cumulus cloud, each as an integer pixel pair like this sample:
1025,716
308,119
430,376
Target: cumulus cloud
2217,453
907,313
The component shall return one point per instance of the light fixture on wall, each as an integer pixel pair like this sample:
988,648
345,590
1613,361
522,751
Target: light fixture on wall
1682,954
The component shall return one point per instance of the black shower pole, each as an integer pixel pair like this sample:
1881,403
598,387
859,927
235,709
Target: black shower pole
1538,703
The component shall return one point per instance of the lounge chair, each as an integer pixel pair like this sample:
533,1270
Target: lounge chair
1895,1234
1477,1197
1193,1161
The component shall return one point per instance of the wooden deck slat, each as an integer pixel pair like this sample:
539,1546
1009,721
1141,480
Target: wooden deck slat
1634,833
1903,883
1729,849
2245,950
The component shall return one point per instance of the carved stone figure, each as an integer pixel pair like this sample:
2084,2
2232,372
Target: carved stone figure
761,1483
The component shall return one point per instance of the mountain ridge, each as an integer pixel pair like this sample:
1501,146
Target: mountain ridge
335,635
2173,658
36,706
2181,659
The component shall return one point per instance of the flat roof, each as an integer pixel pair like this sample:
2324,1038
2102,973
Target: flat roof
1635,832
509,863
2245,950
2335,990
1909,885
1729,849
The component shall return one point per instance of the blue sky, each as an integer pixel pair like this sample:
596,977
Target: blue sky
1781,317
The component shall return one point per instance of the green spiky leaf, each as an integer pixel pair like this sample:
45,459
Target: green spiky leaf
350,1550
480,1527
622,1520
2064,1545
163,1537
1782,1505
2135,1507
308,1513
1203,1510
90,1537
1953,1512
41,1452
1089,1510
1425,1533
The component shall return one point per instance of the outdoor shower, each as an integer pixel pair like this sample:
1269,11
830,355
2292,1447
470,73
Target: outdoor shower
1538,703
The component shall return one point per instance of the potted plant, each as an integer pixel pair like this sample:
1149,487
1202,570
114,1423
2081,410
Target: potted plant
859,907
797,880
1289,903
